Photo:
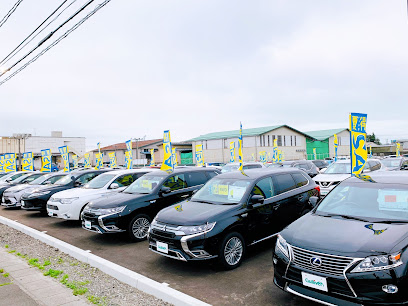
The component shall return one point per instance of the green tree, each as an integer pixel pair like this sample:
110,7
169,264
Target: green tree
372,138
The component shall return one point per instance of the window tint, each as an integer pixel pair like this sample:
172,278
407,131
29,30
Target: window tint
211,174
264,188
124,180
176,182
300,179
197,178
285,183
83,179
374,165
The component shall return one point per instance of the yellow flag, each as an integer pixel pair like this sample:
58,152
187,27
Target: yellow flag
10,162
240,156
275,151
65,157
112,160
87,160
397,151
174,157
152,157
167,158
46,160
199,156
358,149
99,161
232,152
28,162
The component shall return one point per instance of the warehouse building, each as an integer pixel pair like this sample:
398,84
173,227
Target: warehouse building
323,142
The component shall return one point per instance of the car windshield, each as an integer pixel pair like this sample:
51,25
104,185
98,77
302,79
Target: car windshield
64,181
99,181
287,165
391,163
145,184
39,180
31,178
21,178
367,201
274,165
338,168
222,191
229,168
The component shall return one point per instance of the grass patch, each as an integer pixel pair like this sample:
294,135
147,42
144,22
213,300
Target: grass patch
12,251
1,270
77,287
5,284
6,246
46,263
60,260
97,300
6,274
53,273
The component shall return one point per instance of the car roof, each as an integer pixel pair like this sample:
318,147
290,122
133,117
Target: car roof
384,177
181,170
257,173
125,171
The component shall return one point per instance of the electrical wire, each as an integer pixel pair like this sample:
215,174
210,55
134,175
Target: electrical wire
35,30
7,58
48,36
10,12
79,23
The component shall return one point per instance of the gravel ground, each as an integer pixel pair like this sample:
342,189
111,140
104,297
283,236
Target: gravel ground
102,288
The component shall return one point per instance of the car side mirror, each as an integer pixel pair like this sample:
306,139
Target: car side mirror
165,190
8,180
313,201
114,186
77,184
257,199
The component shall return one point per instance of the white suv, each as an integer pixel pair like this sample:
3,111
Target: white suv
68,204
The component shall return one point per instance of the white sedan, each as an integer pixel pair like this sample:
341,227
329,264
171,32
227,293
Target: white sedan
68,204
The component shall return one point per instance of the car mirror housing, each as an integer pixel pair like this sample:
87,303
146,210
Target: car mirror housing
165,190
77,184
114,186
257,199
313,201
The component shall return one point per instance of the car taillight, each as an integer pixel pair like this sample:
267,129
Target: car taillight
318,189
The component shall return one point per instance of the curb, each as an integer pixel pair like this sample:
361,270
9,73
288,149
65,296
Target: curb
122,274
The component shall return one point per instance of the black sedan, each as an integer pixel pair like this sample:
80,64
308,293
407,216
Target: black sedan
232,211
353,247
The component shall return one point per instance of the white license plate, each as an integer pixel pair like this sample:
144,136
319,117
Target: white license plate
88,224
162,247
314,281
22,203
324,192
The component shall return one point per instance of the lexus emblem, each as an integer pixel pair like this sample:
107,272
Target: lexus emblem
316,261
164,228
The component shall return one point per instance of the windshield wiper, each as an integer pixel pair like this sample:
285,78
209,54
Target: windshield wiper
202,201
345,217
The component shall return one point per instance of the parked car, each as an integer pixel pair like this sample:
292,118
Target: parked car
395,163
9,177
306,165
352,249
234,166
37,198
320,163
23,179
133,209
339,171
12,196
68,204
232,211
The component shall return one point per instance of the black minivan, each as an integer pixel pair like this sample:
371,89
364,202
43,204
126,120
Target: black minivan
232,211
133,209
352,249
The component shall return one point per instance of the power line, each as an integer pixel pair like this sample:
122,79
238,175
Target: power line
48,37
90,14
11,11
34,31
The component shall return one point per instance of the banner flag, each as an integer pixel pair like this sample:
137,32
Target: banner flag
358,148
232,151
269,157
240,156
99,147
75,161
199,156
397,150
87,160
370,152
2,163
129,154
99,161
174,157
275,151
167,157
65,157
46,160
262,156
10,164
280,154
314,154
152,161
27,163
112,160
336,145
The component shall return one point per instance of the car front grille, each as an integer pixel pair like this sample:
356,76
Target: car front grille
329,264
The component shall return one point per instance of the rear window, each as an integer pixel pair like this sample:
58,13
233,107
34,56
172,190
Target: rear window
264,188
197,178
285,183
300,179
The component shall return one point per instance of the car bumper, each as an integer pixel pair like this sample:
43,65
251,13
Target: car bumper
62,211
103,224
10,202
33,204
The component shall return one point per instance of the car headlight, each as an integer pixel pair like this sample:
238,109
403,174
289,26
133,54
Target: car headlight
67,200
113,210
38,194
282,246
189,230
376,263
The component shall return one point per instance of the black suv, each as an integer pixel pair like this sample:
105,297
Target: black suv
37,199
352,249
133,209
230,212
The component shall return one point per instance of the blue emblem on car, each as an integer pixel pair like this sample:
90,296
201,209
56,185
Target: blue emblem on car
376,232
316,261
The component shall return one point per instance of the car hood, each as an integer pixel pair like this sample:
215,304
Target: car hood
323,177
78,192
193,213
345,237
22,187
119,199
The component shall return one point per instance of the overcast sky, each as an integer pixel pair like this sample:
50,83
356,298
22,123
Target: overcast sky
138,68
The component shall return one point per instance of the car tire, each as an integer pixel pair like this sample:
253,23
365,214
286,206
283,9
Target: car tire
232,251
138,227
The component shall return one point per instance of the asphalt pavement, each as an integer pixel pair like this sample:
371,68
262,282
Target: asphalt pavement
249,284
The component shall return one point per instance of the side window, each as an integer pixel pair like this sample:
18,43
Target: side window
304,166
285,183
197,178
137,175
264,188
176,182
83,179
124,180
300,179
211,174
375,166
53,179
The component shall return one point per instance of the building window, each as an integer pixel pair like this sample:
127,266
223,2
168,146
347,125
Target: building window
260,140
279,140
269,141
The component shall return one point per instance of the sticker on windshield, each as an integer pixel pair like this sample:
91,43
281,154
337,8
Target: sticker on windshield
219,189
146,184
236,193
393,200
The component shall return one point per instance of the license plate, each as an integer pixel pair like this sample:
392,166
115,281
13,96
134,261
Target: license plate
88,224
314,281
323,192
162,247
22,203
50,214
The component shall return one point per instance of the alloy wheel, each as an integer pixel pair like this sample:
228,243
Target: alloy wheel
233,251
140,228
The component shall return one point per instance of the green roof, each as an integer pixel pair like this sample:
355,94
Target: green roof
245,133
324,134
